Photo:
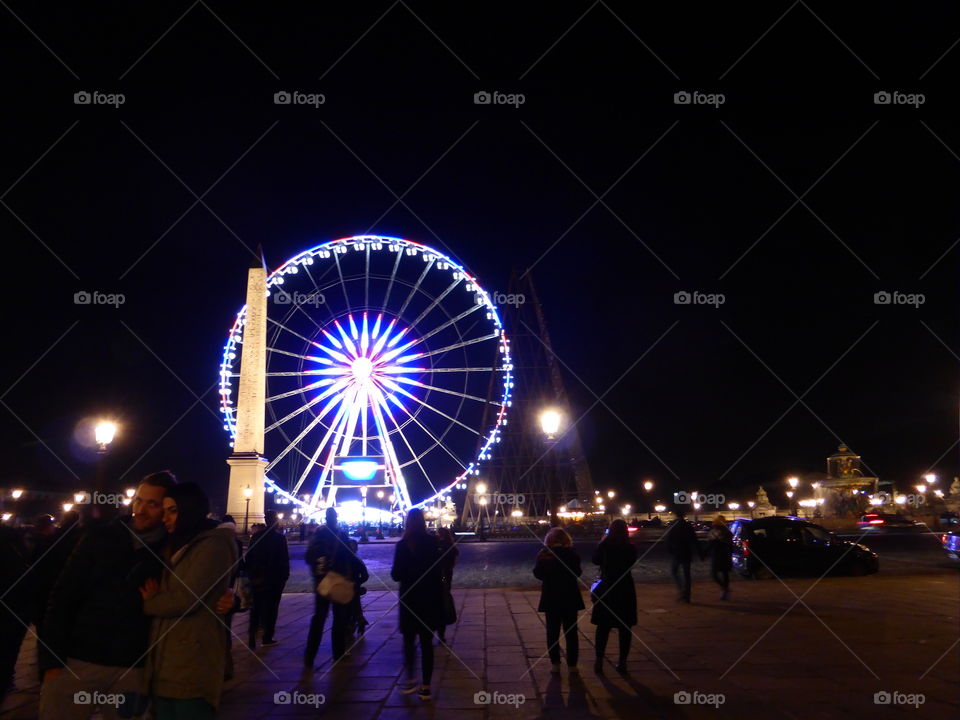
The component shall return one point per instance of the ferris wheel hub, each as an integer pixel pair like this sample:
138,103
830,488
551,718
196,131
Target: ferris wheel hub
362,368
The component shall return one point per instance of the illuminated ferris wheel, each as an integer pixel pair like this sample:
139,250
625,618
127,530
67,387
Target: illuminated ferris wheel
387,367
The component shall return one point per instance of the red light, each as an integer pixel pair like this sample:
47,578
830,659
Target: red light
746,548
876,522
632,529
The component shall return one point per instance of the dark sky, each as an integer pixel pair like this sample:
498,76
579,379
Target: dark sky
103,198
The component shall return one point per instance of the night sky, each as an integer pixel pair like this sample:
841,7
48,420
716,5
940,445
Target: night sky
703,198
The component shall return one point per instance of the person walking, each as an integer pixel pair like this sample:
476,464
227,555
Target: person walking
267,562
449,553
614,594
682,546
416,566
558,568
329,550
185,666
720,551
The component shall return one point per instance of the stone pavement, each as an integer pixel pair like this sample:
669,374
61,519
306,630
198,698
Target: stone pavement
848,639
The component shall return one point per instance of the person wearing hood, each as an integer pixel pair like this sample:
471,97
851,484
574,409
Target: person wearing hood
185,667
558,566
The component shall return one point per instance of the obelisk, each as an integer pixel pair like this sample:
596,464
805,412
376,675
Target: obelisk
245,491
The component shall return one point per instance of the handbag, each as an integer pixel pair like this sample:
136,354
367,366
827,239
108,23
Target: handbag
336,588
597,590
449,609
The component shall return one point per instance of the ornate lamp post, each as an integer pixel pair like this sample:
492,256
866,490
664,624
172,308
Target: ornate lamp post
247,494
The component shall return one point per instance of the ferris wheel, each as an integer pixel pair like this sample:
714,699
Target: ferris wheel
387,368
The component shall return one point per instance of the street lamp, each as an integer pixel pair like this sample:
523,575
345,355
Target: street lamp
751,504
793,482
247,494
931,478
659,508
67,507
104,433
611,494
648,485
16,494
550,422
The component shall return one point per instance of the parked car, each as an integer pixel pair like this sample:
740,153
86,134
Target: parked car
883,521
951,543
787,545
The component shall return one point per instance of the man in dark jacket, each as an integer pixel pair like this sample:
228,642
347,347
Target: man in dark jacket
328,550
94,628
682,545
267,562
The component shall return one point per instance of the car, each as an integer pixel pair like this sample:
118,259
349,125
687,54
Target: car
884,521
788,545
951,543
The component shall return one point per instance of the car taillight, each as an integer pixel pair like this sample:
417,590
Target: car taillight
746,548
876,522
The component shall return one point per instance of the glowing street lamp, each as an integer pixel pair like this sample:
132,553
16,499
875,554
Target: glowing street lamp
921,488
648,485
481,488
931,478
611,494
130,492
16,494
733,505
7,516
550,420
104,432
793,482
659,508
67,507
751,504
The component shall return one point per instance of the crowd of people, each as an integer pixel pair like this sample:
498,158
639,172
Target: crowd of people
136,613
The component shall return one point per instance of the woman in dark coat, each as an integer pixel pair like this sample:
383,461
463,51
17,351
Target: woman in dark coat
558,566
720,551
615,599
417,567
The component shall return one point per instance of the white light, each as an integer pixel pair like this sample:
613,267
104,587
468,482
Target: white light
67,507
733,506
130,492
793,481
921,488
550,422
481,488
648,486
105,432
16,494
659,508
930,478
750,503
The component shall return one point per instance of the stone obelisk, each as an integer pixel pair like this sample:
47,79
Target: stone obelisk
246,491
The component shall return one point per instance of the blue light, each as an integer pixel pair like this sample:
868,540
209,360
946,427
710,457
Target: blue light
359,469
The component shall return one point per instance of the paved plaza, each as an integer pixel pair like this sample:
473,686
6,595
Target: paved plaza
845,640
